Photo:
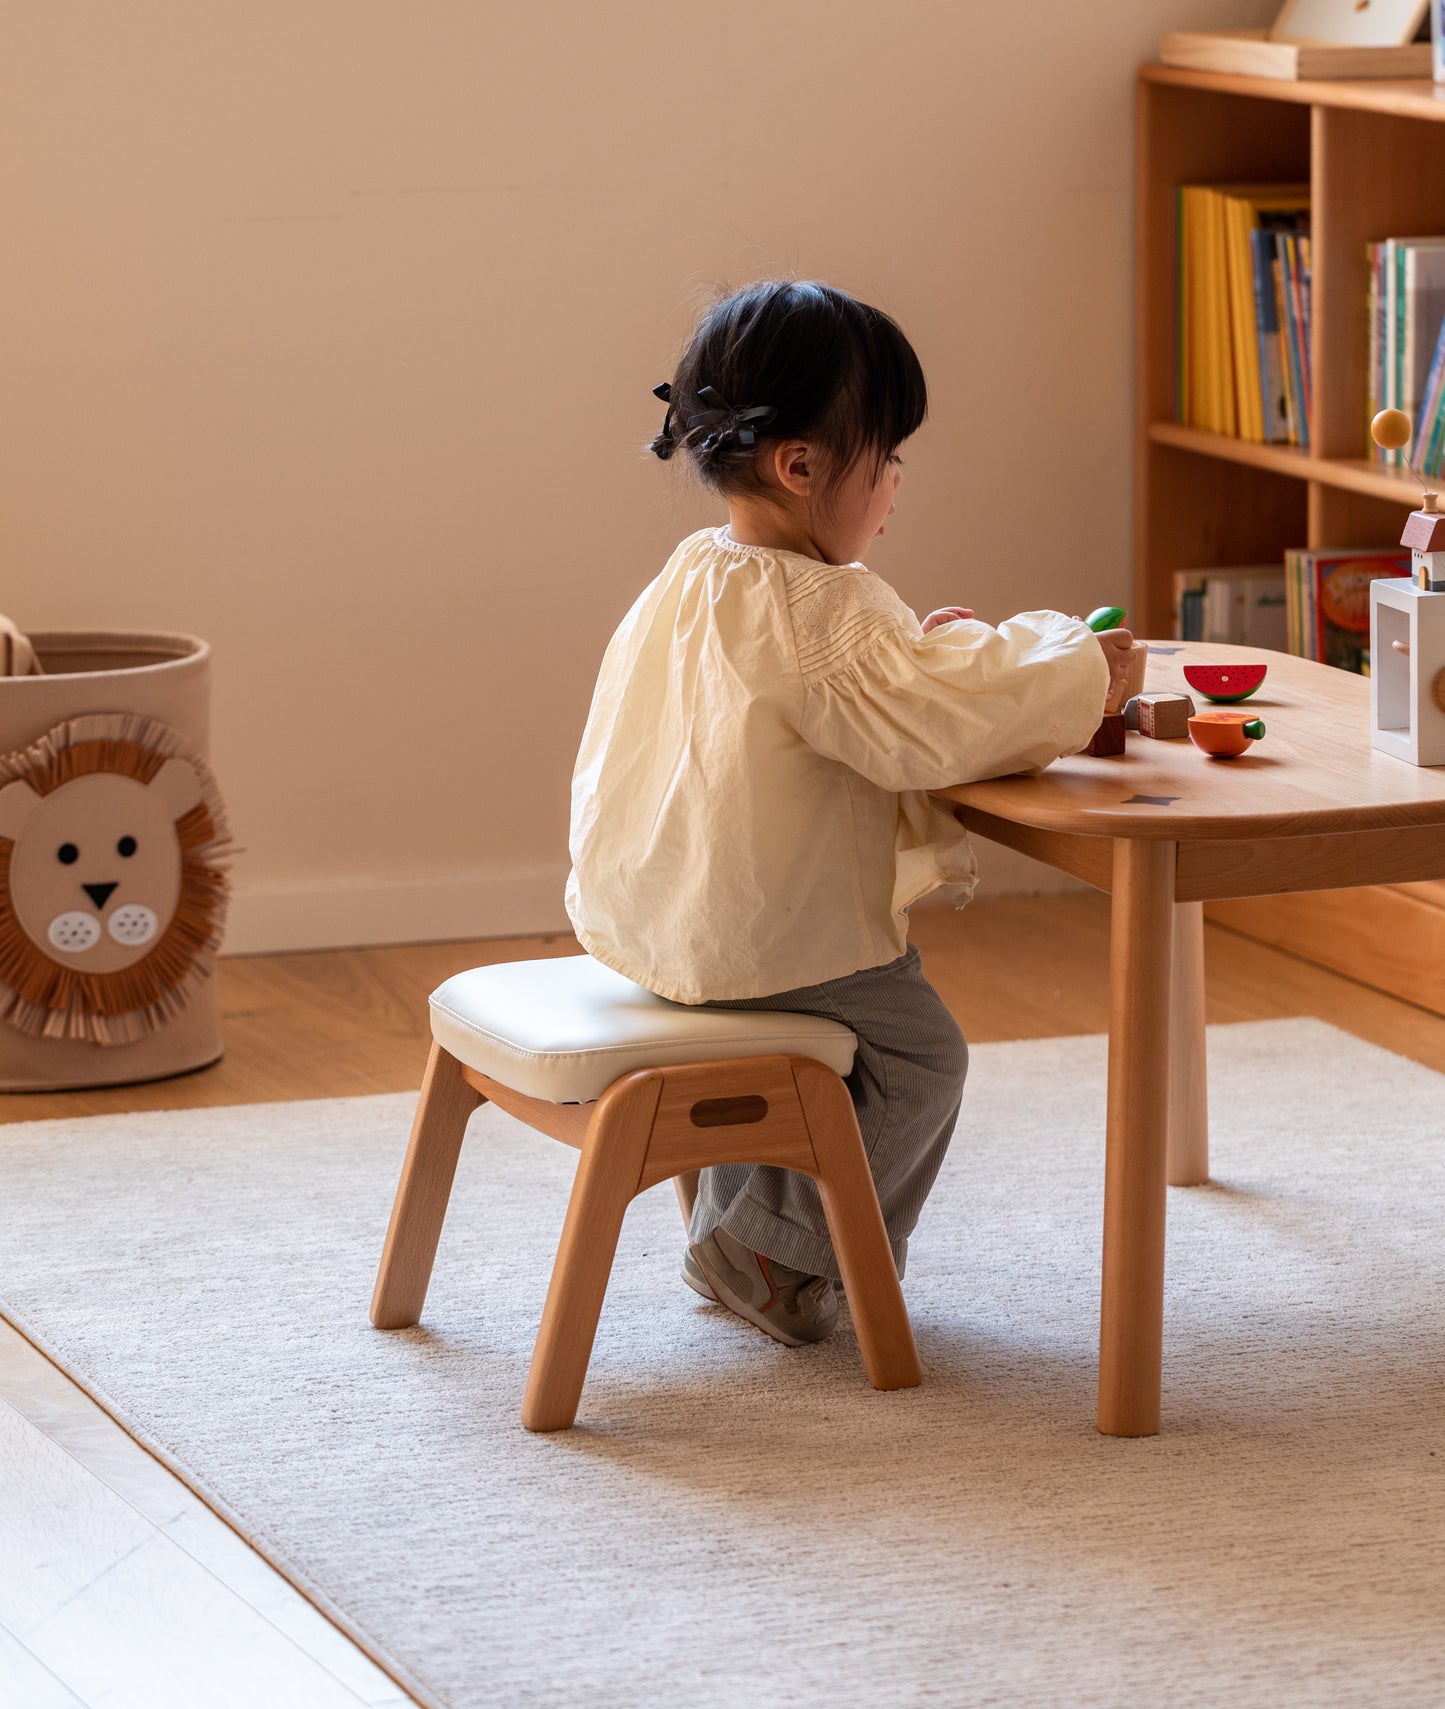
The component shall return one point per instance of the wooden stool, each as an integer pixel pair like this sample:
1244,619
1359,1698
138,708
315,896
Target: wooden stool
647,1090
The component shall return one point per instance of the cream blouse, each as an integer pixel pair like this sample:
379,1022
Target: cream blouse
749,806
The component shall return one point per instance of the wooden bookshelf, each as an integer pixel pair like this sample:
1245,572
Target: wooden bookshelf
1373,154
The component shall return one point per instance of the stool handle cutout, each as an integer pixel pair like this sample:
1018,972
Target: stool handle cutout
728,1112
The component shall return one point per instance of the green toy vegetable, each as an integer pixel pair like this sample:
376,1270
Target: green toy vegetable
1106,617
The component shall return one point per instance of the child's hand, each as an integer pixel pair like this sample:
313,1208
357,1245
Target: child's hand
1117,645
949,614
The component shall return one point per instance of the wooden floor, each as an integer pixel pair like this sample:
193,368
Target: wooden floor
339,1023
119,1587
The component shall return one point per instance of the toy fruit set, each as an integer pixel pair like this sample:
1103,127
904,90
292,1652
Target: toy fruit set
1225,683
1224,735
1169,716
1108,739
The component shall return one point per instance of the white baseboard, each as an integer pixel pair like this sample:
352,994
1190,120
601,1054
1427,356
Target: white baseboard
349,914
519,904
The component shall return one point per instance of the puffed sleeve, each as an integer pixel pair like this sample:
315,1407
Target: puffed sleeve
963,702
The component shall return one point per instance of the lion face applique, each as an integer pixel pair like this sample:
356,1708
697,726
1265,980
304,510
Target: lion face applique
112,895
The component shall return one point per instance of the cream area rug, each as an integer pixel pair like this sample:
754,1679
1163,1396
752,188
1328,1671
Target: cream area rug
735,1523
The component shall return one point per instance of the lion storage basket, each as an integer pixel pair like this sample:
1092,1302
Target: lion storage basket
112,852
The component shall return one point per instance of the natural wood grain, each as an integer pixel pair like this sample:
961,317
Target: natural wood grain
1432,892
855,1225
1108,740
1348,472
1273,866
678,1146
1254,53
1038,967
442,1111
608,1176
320,1024
1373,177
1383,937
1315,772
1088,858
1411,98
1007,966
1188,1161
1192,510
566,1122
1131,1315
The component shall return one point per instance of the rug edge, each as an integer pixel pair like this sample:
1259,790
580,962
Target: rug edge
254,1537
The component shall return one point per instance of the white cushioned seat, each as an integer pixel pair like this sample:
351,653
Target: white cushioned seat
565,1029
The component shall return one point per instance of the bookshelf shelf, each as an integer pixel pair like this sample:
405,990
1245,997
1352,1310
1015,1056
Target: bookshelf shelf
1374,155
1358,475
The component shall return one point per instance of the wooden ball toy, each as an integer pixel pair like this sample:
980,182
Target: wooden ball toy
1391,429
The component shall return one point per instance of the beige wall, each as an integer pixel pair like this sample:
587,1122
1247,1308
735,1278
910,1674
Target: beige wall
330,329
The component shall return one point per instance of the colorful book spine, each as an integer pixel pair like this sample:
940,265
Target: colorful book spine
1181,308
1327,596
1239,217
1300,283
1274,404
1287,375
1427,419
1374,394
1299,397
1234,371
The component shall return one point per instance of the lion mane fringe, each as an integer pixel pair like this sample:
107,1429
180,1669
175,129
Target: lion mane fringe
40,997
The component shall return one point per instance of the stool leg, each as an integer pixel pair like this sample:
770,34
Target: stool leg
850,1203
685,1187
422,1193
607,1178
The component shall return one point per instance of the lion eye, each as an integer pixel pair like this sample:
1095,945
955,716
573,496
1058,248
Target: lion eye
67,854
125,847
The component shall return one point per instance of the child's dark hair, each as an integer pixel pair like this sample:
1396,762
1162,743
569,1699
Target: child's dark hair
785,360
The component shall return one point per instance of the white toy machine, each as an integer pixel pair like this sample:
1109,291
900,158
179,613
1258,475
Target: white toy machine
1407,629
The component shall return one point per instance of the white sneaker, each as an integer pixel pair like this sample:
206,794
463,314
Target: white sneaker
790,1305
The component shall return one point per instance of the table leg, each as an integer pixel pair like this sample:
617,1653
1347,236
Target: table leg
1188,1084
1131,1328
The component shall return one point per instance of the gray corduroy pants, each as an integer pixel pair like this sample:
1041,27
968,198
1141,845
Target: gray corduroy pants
906,1085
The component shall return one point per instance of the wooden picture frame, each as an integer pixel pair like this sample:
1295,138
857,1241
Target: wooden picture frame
1351,23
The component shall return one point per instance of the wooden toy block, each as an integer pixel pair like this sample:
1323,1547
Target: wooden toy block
1164,716
1108,739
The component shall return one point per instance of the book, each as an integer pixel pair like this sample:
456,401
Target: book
1241,355
1328,600
1250,53
1274,400
1295,353
1406,310
1241,605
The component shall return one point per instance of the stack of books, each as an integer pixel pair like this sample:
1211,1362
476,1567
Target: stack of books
1243,311
1242,606
1328,601
1407,344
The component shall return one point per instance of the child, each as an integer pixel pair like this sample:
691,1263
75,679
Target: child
750,817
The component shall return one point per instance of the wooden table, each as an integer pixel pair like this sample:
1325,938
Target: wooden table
1164,829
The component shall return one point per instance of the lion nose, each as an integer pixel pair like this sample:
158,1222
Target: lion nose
99,893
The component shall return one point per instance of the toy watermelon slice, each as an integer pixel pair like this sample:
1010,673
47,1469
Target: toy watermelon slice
1225,682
